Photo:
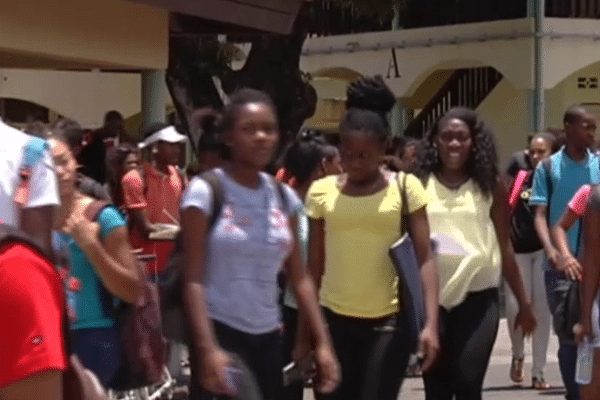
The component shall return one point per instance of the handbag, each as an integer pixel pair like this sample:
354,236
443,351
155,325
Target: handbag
143,347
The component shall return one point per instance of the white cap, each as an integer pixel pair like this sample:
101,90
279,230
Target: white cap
168,134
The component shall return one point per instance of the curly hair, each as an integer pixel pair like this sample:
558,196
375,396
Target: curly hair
482,165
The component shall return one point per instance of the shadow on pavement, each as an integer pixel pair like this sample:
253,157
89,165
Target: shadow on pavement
508,388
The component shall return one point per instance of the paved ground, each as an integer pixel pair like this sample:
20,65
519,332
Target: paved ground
498,384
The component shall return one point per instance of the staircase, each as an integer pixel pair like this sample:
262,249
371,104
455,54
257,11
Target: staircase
466,87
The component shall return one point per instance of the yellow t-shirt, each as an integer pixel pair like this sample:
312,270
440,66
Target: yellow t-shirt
464,216
359,278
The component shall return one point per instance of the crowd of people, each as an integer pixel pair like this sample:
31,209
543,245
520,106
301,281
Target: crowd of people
294,266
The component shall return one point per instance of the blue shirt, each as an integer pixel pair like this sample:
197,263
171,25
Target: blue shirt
567,177
91,303
246,249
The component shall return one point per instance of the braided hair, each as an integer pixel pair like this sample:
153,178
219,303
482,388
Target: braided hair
368,102
302,157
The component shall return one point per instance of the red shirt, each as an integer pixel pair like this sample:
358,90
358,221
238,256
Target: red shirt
160,195
31,311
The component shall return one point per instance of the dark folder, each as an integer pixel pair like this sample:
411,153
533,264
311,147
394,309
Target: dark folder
404,257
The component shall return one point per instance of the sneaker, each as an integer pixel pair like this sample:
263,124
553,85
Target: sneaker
516,370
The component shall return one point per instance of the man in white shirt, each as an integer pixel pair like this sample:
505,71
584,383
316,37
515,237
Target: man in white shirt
35,216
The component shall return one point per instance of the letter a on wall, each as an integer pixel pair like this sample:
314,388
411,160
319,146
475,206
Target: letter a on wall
393,66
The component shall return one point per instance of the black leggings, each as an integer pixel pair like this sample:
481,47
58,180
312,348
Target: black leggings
371,354
262,354
295,391
468,334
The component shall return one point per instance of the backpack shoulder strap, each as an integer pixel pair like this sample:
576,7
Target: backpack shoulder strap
547,165
517,188
32,153
10,234
404,199
182,178
143,174
594,199
218,195
282,195
93,210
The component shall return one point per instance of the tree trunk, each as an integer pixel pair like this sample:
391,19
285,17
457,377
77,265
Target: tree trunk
273,66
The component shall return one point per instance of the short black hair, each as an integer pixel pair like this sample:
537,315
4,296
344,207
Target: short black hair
213,124
369,100
238,100
549,138
113,115
68,132
574,114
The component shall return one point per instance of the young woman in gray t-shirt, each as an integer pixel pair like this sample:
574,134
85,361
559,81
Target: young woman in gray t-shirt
230,274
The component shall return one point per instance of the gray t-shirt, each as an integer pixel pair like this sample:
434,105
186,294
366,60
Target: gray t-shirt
247,247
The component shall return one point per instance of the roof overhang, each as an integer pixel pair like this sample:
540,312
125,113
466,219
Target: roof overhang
275,16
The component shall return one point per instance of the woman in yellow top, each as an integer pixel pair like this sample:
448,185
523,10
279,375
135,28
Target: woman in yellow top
354,219
468,213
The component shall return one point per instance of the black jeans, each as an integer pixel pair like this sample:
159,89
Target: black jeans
262,354
468,333
295,391
567,350
372,356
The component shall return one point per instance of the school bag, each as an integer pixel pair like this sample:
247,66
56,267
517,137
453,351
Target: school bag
143,347
78,382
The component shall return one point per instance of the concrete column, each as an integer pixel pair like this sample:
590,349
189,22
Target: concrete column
537,10
154,97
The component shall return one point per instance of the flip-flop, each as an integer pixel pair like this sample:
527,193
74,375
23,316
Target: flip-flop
540,384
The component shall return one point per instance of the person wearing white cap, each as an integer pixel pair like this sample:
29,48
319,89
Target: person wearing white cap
152,196
167,135
153,193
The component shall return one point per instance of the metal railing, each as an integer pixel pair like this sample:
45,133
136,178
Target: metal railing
573,8
330,19
466,87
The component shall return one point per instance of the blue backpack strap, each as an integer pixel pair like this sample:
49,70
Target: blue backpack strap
547,165
218,195
32,153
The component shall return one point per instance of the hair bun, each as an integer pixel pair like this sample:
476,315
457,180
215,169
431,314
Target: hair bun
370,93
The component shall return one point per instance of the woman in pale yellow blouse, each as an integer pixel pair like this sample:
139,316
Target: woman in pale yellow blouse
468,213
354,219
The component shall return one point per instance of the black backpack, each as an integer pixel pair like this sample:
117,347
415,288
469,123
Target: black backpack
171,282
